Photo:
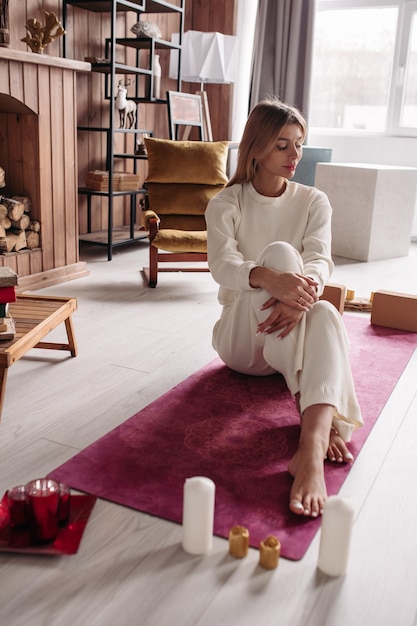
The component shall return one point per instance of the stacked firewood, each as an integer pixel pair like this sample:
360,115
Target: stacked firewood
17,230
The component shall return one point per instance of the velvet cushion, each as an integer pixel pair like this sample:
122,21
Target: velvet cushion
177,222
198,162
179,241
183,222
145,217
185,198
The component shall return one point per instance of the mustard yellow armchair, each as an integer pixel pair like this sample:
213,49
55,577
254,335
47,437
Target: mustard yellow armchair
182,177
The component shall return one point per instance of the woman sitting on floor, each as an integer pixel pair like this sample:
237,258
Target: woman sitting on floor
269,243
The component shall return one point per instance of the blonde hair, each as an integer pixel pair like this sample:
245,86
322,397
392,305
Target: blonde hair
263,127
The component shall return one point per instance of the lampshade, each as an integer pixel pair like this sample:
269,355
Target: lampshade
206,57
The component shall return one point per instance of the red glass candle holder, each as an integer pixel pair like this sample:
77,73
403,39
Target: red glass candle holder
42,496
64,504
18,510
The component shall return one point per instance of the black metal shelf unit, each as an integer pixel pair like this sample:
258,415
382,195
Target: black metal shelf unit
142,71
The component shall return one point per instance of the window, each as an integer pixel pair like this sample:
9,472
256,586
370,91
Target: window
407,107
364,73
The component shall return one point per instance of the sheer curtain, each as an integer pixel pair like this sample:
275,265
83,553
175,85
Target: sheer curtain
282,52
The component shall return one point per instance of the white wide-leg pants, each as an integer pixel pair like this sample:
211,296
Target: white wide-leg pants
313,358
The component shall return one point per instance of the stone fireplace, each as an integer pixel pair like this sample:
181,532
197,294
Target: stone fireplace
38,151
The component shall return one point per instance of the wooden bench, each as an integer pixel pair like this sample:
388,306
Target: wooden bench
35,317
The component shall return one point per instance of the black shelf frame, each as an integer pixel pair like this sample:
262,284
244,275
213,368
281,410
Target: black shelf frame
90,193
110,70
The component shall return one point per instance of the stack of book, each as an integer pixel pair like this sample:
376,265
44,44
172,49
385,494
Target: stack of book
8,282
98,180
128,181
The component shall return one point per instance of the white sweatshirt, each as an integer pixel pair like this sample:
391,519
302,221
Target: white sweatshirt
241,223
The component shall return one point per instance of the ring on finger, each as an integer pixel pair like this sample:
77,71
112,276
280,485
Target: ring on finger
299,299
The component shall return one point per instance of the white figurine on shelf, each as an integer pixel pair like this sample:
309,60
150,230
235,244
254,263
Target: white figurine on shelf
127,108
156,71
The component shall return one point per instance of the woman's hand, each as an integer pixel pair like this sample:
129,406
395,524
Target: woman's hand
294,290
282,318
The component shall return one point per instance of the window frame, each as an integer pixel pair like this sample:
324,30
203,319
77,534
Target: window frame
406,10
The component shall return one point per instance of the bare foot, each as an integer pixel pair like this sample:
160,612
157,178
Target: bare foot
337,450
308,492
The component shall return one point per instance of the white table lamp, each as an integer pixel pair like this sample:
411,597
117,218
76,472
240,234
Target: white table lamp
206,58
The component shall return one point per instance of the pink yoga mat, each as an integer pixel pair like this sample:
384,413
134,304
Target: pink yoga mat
241,432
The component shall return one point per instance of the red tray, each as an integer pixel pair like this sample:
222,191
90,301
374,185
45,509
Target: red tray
67,540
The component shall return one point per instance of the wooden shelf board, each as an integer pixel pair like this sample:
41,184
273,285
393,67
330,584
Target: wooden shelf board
120,235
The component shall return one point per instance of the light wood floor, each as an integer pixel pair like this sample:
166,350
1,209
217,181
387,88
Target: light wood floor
134,344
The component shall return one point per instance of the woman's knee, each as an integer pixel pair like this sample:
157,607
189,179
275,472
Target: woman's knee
282,256
326,308
323,309
324,314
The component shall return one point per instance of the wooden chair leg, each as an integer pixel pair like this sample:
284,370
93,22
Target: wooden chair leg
153,266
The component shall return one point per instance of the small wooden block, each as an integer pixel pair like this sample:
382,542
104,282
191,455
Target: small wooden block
335,294
394,310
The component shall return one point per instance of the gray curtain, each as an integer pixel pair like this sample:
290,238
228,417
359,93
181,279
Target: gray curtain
283,51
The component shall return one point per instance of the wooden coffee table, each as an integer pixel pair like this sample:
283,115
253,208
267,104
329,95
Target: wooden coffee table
35,317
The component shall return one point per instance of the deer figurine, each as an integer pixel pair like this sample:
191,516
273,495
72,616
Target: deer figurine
127,108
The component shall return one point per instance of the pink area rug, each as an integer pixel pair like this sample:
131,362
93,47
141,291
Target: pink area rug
240,431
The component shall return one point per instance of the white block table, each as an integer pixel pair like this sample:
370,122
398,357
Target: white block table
373,208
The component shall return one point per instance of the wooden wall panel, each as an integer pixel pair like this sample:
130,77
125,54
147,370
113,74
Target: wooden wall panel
58,166
19,157
30,95
17,19
30,182
15,143
4,76
45,137
16,81
70,196
38,152
22,264
35,262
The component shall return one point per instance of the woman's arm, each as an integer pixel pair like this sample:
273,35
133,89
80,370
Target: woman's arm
227,265
294,290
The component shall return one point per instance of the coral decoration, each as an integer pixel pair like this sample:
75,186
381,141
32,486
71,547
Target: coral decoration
39,36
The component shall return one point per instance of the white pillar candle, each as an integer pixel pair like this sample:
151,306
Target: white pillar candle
336,530
198,515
